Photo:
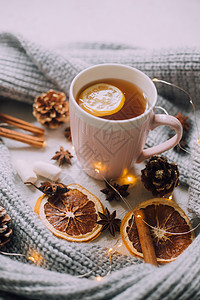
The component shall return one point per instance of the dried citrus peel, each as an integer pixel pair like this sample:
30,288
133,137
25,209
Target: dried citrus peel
163,216
73,216
101,99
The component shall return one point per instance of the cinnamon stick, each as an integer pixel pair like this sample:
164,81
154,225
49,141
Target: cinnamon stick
24,138
21,124
145,238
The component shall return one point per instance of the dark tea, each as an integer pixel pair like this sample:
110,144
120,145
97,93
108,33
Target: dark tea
135,100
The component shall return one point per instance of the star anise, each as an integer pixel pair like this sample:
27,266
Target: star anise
111,191
183,120
49,188
109,221
63,156
68,134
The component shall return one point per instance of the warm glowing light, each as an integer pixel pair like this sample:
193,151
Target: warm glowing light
125,172
119,245
138,216
197,141
35,257
110,250
72,147
170,197
127,177
98,278
155,79
130,179
99,167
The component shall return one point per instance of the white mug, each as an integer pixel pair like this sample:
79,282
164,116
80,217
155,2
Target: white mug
108,147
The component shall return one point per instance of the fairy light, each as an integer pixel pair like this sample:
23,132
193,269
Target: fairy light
128,206
37,258
190,100
125,172
99,167
171,233
100,263
163,109
119,245
34,257
98,278
12,254
155,79
123,199
127,177
110,250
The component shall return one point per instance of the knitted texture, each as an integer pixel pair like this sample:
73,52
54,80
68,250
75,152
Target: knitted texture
28,70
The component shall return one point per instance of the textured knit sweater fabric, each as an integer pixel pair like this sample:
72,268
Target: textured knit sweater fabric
28,70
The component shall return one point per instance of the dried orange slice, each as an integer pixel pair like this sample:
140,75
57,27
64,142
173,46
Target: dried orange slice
167,218
101,99
73,215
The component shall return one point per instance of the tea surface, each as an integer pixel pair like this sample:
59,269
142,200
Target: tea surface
135,100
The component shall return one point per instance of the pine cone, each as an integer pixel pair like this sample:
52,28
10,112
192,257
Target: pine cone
159,176
51,109
5,231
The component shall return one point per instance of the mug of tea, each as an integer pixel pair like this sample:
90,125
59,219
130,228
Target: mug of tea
111,113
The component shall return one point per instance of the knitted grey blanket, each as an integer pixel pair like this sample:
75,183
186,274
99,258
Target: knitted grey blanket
27,70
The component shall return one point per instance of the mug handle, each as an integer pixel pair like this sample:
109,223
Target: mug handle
160,120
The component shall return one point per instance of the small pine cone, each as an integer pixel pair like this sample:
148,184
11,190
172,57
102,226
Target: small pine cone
5,231
159,176
51,109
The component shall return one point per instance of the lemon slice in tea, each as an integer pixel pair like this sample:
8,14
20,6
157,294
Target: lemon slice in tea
101,99
168,227
73,215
